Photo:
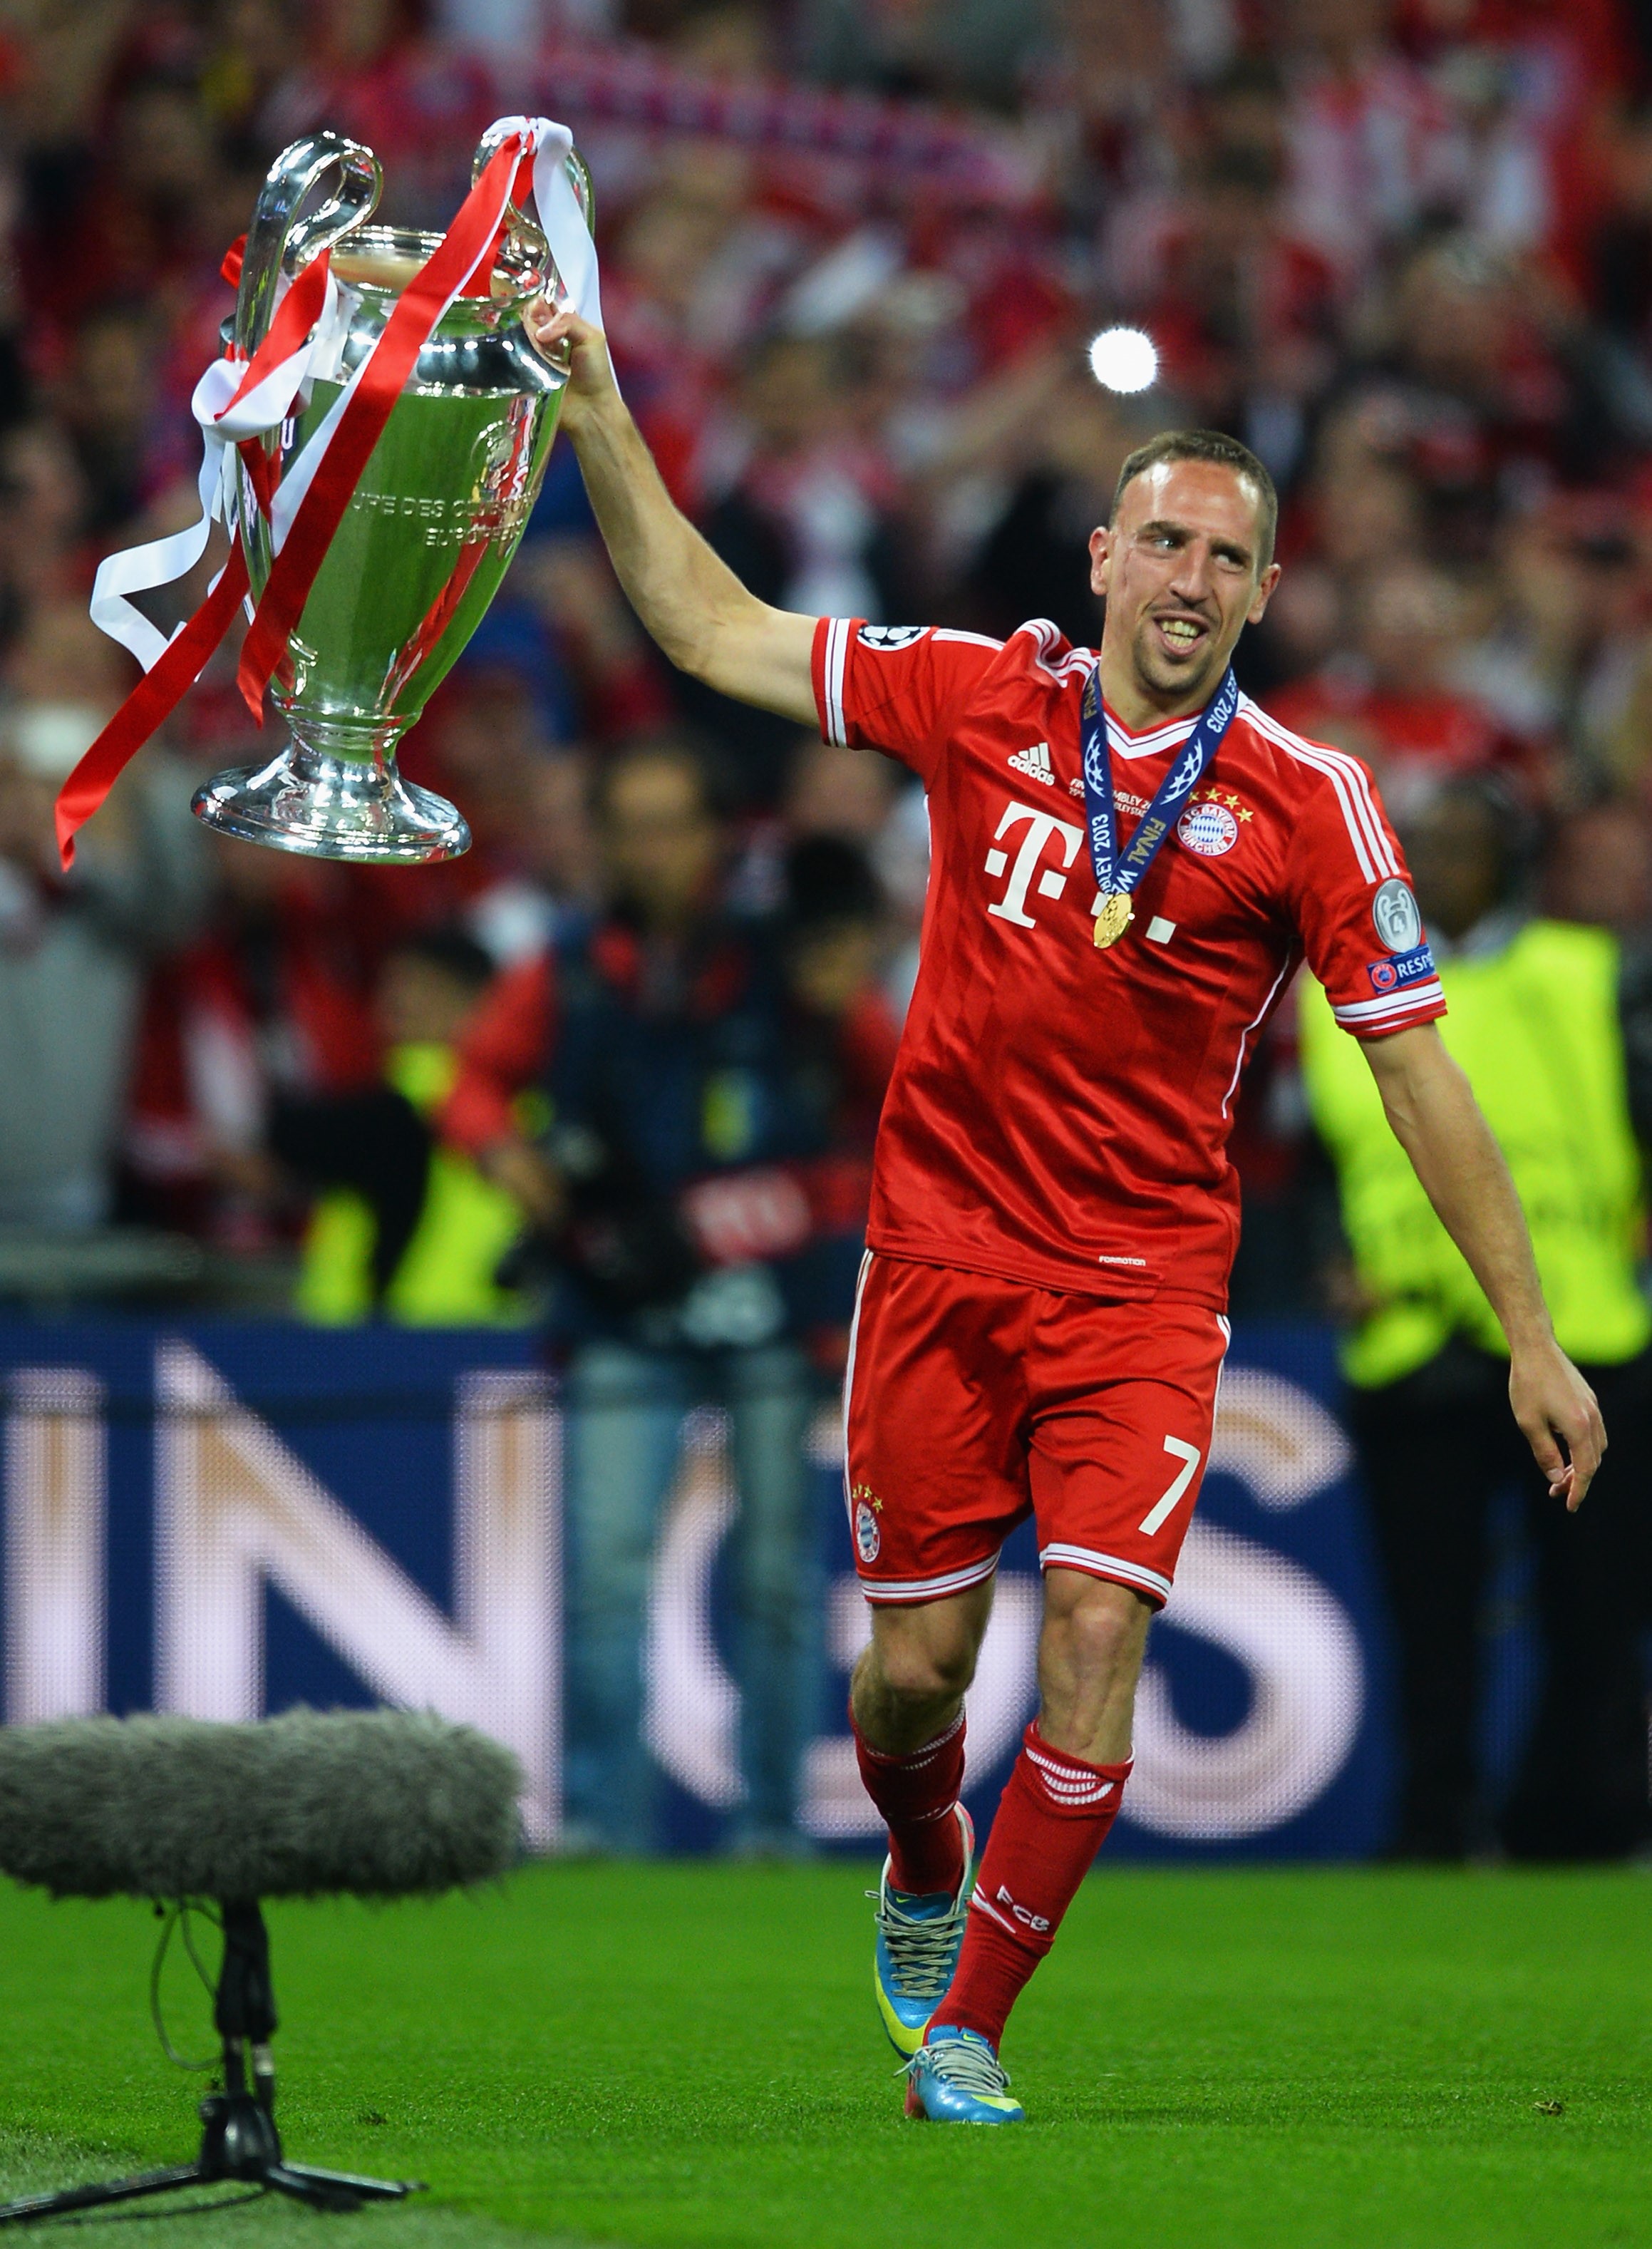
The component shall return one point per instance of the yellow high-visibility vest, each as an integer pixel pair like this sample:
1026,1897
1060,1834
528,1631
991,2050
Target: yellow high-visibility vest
445,1275
1536,1028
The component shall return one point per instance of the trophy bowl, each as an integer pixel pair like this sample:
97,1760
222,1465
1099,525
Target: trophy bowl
428,534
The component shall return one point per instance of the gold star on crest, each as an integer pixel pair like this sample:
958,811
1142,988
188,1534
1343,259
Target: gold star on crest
1223,797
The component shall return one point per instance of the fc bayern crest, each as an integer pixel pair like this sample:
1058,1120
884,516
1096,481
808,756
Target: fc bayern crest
867,1539
1208,829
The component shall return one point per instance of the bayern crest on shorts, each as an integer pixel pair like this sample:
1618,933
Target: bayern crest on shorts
868,1538
1208,829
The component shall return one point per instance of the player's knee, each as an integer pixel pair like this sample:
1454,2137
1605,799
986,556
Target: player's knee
925,1665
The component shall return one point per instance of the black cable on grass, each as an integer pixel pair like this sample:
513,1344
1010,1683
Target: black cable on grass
178,1917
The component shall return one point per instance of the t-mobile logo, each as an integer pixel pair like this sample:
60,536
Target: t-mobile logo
1041,826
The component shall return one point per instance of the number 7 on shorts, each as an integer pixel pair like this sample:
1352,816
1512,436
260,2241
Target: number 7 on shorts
1160,1512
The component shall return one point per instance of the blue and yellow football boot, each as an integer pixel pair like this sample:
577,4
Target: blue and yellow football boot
917,1947
955,2078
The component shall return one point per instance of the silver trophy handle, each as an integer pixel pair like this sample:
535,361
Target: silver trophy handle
524,254
277,236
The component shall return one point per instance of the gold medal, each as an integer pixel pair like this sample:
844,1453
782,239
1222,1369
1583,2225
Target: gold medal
1115,916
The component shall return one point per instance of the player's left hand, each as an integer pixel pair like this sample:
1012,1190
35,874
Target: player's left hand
1555,1407
591,386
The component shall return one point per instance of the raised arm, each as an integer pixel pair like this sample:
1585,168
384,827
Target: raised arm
689,600
1438,1121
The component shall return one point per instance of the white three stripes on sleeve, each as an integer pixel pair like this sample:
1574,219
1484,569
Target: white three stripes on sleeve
837,649
1347,777
1367,1015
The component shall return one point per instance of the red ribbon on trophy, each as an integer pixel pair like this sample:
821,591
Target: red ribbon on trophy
233,407
172,666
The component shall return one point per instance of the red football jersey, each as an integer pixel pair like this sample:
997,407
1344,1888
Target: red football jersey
1060,1114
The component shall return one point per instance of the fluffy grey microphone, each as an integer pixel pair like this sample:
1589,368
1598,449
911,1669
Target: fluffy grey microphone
382,1802
377,1803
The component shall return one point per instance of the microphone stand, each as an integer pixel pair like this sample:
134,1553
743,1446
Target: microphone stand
239,2139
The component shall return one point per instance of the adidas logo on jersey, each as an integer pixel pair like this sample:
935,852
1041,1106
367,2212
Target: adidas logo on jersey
1035,763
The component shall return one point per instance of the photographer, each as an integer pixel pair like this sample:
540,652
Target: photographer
685,1199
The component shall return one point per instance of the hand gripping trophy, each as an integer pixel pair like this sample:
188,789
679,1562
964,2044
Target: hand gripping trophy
376,437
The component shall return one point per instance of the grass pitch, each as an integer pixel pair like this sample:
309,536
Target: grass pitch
684,2055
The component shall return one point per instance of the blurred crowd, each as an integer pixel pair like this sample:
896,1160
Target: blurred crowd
853,251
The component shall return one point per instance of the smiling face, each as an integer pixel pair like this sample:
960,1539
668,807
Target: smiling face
1181,573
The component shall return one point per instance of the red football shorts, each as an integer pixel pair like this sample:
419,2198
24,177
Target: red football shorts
972,1403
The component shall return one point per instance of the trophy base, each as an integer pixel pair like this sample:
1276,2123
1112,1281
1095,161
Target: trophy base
327,807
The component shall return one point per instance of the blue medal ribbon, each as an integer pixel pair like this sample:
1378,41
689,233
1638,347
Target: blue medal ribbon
1115,878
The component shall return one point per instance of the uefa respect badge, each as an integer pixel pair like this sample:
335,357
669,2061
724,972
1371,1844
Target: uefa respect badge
1401,969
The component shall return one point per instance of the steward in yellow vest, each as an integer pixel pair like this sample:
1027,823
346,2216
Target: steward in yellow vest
1535,1020
404,1228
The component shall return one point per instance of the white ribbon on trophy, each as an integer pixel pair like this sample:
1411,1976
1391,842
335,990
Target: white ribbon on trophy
162,561
225,424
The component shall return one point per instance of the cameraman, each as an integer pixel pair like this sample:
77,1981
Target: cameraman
679,1198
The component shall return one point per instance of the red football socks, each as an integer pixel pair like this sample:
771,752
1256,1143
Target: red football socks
1052,1819
917,1795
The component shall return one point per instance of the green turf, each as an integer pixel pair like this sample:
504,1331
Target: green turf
688,2055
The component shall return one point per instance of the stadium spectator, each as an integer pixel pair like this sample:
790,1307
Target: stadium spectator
372,68
403,1228
554,875
597,657
1034,559
832,791
707,1076
1562,653
1600,870
270,995
492,734
844,1033
1243,309
106,407
44,510
981,49
1368,135
1550,1022
72,957
1390,697
801,512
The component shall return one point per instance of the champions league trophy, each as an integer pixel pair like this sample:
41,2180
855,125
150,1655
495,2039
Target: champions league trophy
374,437
429,530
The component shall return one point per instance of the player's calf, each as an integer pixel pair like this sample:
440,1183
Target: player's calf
1052,1819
